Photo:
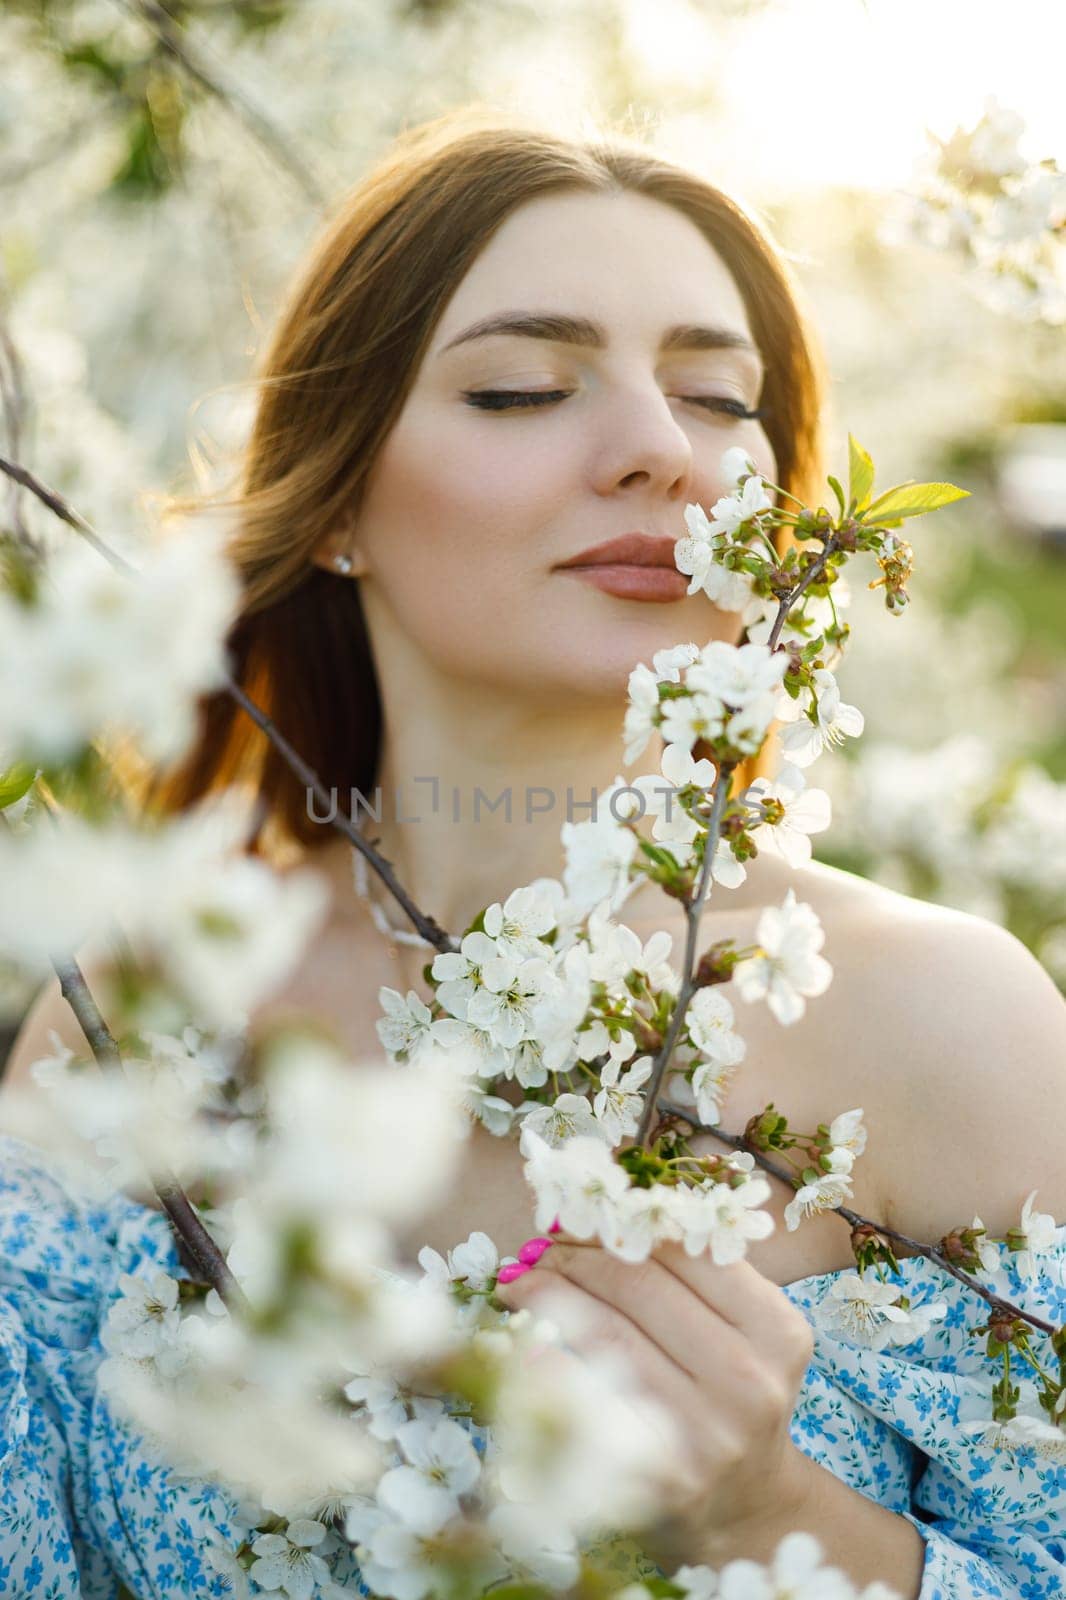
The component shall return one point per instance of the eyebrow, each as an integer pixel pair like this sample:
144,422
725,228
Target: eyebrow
563,329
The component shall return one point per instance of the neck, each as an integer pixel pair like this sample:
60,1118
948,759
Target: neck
470,799
466,807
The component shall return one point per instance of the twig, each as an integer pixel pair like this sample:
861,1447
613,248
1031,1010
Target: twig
163,26
184,1221
695,906
66,513
693,909
931,1252
426,925
813,573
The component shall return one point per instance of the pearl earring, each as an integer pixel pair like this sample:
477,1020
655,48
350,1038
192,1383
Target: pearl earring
343,563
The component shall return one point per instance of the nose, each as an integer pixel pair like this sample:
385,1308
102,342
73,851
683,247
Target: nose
642,445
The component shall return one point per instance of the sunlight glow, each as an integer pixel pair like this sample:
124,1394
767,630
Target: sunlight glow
841,91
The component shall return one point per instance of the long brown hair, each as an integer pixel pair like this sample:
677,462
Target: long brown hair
355,324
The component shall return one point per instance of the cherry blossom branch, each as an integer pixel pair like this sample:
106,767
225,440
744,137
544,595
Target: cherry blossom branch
181,1214
693,911
161,23
426,925
190,1232
932,1252
813,573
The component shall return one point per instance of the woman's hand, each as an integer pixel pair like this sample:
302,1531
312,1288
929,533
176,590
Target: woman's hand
723,1349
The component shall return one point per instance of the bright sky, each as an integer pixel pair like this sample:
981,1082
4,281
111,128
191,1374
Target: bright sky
839,91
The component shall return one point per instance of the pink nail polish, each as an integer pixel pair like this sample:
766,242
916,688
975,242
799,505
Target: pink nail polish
555,1227
510,1273
533,1249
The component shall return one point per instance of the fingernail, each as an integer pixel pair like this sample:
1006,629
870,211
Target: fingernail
514,1270
531,1252
556,1227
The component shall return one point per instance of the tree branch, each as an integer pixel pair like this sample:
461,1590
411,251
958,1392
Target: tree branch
162,24
426,925
931,1252
693,909
189,1231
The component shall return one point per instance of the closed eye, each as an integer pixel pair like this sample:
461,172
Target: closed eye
517,399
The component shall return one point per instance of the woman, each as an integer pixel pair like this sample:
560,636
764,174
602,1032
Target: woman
505,351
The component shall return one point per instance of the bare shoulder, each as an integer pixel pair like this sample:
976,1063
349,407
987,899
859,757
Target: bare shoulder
958,1035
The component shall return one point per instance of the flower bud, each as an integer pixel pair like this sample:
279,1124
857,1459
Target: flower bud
868,1246
716,964
766,1130
647,1037
960,1247
1003,1326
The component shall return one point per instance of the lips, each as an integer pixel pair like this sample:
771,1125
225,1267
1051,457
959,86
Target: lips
631,550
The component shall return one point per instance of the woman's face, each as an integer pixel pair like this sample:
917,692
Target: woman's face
469,511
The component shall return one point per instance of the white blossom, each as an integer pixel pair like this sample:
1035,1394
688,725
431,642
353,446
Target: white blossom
709,1021
829,1190
735,464
796,1572
393,1559
383,1402
706,1089
1023,1431
598,853
869,1312
617,1104
459,972
699,557
495,1114
804,739
545,1554
441,1465
407,1024
569,1116
475,1262
506,1004
145,1323
723,1220
796,813
846,1132
642,711
739,675
79,655
987,1252
788,968
578,1441
576,1182
518,925
667,664
645,1218
285,1562
1035,1234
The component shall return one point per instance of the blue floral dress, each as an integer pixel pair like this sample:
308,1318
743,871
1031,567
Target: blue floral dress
87,1511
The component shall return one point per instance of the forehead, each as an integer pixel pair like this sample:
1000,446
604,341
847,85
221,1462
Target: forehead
631,262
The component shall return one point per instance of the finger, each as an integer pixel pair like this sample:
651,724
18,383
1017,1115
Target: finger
756,1307
660,1304
592,1324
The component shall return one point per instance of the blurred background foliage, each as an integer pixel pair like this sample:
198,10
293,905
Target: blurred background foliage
163,164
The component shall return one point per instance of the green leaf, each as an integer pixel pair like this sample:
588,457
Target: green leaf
913,500
14,783
834,484
860,473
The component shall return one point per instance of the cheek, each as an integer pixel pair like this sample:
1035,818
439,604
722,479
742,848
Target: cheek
451,501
